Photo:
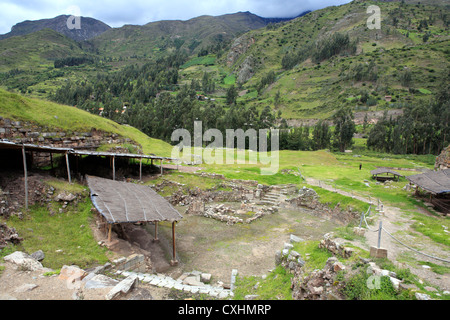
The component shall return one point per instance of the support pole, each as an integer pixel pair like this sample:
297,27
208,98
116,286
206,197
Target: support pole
174,262
140,170
161,167
379,234
114,167
68,168
109,232
25,176
156,232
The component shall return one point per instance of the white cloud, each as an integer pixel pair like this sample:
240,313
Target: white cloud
119,12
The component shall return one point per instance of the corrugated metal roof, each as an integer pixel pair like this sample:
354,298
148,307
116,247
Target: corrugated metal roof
385,170
123,202
434,181
5,144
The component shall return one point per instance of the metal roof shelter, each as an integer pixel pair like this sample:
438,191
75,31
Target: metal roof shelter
113,156
380,171
5,144
436,182
123,202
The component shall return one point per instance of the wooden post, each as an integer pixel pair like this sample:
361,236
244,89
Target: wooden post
161,167
68,168
114,167
140,170
51,159
25,176
379,233
174,261
156,232
109,232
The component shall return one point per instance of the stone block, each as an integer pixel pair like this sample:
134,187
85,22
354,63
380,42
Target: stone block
205,277
72,273
378,252
122,287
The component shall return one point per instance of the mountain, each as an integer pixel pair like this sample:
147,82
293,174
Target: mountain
162,37
303,64
36,51
89,28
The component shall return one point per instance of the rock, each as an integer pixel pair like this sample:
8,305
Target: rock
122,288
205,277
278,257
38,255
430,289
295,239
65,197
422,296
72,274
395,283
99,281
192,281
25,287
24,261
288,246
338,266
251,297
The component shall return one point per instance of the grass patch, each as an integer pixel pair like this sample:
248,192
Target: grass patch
65,238
276,286
206,61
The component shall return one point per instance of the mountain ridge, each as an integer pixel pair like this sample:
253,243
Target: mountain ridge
90,27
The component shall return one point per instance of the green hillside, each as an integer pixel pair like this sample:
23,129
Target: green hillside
303,69
36,50
407,59
53,115
164,37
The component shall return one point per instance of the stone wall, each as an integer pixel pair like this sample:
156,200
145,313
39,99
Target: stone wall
135,262
30,133
443,160
309,198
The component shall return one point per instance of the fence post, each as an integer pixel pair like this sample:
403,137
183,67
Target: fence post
361,220
379,234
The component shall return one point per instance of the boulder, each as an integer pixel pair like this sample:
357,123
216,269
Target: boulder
72,273
24,261
38,255
122,288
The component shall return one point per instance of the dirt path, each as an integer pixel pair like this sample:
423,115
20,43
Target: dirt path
399,226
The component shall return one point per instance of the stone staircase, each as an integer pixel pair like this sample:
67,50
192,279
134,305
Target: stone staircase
277,195
163,281
272,199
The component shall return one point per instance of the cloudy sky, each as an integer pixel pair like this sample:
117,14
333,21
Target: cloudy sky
116,13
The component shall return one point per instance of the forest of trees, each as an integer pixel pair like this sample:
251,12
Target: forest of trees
422,129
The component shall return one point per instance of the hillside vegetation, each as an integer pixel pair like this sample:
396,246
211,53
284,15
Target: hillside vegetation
52,115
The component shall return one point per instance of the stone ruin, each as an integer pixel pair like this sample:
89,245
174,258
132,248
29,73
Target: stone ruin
232,216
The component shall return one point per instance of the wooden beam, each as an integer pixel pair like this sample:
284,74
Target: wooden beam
68,168
25,176
109,232
114,167
156,232
140,170
174,261
161,167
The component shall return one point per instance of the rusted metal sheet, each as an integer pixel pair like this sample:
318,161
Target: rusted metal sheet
123,202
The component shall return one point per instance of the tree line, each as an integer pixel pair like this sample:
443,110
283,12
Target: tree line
422,129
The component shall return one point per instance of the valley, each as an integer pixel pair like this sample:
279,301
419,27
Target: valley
341,99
